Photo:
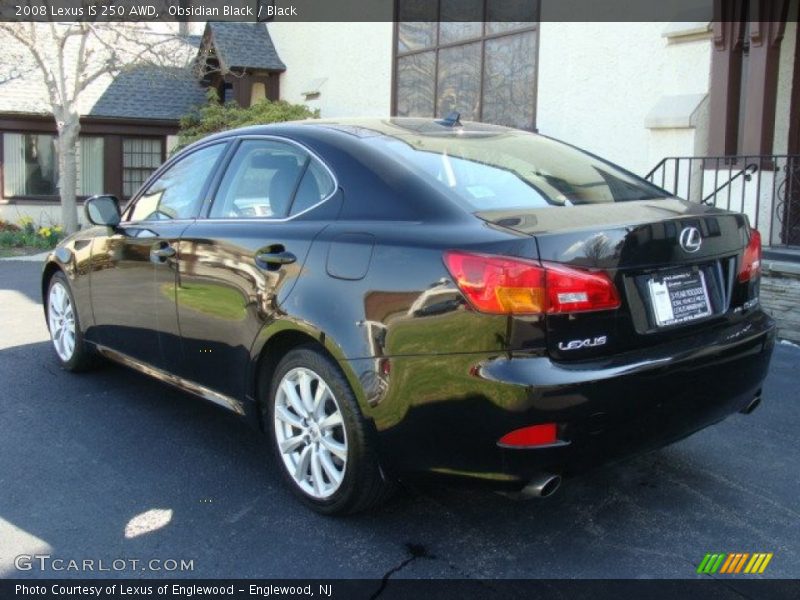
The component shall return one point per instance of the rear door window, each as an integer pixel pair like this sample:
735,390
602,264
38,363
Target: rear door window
315,186
260,181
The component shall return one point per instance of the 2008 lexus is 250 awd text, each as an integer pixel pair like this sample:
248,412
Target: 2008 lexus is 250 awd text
400,296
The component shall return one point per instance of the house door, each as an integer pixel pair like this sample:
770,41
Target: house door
789,193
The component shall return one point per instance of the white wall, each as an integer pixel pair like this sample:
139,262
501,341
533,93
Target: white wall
598,81
43,215
354,58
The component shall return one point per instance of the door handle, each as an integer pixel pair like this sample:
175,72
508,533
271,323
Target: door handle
162,251
276,257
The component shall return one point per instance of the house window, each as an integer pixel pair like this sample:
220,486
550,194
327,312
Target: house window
140,158
485,70
258,92
90,167
30,165
226,92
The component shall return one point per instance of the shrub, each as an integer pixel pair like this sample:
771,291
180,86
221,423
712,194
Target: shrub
51,235
5,226
214,117
28,235
27,224
8,238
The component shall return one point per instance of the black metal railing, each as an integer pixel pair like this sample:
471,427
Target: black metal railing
764,187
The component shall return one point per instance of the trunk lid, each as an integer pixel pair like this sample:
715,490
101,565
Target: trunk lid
668,287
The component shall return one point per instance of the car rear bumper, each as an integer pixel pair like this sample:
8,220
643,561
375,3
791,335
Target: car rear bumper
445,414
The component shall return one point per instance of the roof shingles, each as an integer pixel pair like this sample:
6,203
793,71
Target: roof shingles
148,92
245,46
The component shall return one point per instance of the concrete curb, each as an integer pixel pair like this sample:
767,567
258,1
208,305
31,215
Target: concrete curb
30,258
782,268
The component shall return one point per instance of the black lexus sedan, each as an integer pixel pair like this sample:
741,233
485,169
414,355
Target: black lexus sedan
407,296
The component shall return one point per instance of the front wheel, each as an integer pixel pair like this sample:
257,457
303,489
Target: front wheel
322,442
65,331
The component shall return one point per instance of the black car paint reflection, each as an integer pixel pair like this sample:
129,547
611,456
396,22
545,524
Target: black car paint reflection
438,381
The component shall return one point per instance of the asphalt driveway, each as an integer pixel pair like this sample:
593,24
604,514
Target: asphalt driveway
111,465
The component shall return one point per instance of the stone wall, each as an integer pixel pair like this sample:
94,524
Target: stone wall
780,297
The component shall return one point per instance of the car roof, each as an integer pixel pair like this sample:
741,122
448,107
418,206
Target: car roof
370,127
366,127
342,141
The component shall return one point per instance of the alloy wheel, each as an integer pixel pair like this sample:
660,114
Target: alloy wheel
310,433
61,317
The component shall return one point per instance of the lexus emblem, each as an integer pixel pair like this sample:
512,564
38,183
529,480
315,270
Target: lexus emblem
690,239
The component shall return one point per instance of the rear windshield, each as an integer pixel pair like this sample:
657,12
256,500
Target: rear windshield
515,170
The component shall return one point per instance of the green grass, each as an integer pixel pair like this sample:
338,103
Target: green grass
454,332
433,359
211,299
421,380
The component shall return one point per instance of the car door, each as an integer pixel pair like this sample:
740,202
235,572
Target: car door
238,264
134,279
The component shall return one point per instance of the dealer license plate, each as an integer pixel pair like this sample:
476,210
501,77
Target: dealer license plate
679,297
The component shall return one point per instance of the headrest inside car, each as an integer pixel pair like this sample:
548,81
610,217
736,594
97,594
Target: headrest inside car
273,162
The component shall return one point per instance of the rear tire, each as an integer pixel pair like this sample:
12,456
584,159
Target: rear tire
72,351
323,445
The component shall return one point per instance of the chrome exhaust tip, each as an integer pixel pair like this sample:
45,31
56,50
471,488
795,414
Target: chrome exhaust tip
754,403
541,486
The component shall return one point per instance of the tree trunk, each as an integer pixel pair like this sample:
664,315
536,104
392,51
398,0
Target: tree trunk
68,129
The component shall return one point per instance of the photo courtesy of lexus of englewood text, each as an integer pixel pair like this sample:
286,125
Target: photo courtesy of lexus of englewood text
399,298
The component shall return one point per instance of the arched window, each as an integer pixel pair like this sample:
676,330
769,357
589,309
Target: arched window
467,56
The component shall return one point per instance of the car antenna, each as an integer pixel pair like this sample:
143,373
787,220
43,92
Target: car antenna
453,119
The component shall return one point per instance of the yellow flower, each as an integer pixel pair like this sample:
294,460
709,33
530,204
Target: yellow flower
58,229
44,231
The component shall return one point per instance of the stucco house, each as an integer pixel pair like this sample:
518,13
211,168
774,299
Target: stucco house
640,94
664,100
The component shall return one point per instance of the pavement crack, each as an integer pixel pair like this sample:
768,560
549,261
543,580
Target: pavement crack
415,551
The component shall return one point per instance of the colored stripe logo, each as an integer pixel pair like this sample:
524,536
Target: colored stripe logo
734,562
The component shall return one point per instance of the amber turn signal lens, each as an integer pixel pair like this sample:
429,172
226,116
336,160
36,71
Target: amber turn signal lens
515,286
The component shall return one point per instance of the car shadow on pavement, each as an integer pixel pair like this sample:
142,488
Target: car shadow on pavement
112,464
22,277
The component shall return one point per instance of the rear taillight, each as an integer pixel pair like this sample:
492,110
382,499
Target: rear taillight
751,259
503,285
495,284
571,290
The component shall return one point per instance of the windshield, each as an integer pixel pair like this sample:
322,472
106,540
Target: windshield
515,170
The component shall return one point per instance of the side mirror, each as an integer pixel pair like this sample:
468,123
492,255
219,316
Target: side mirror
103,210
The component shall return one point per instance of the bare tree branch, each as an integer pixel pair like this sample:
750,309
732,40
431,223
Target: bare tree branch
68,58
81,60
